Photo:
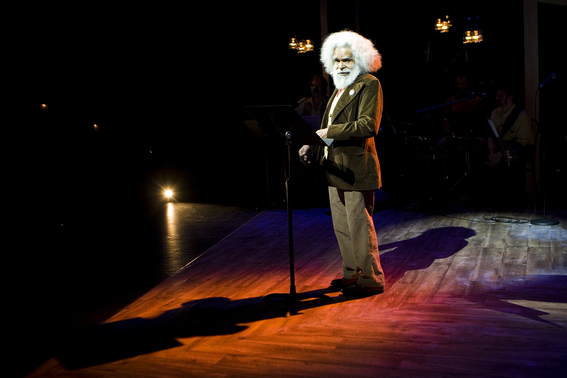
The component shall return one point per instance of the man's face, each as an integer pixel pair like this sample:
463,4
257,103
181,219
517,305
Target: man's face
316,86
346,69
462,84
502,99
344,62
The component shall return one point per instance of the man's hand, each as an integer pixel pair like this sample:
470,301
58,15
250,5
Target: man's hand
494,159
322,133
304,154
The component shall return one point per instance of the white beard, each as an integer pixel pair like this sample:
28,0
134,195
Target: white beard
341,82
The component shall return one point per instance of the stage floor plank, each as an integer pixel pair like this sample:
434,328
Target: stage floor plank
465,297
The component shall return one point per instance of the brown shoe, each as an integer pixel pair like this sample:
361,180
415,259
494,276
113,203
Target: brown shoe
341,283
361,291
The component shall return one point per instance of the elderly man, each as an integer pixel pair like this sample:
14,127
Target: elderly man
352,119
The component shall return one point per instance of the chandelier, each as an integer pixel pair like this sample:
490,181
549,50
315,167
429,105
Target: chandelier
443,26
301,46
473,35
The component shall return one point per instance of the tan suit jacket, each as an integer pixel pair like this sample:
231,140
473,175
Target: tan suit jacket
352,162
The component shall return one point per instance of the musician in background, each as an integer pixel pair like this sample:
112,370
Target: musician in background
514,128
462,110
317,102
509,151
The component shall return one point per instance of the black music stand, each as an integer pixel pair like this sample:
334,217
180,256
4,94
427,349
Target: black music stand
282,123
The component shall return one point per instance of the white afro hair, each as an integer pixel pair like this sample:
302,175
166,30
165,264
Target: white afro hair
363,51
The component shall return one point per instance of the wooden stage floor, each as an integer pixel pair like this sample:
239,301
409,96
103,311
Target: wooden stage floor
467,295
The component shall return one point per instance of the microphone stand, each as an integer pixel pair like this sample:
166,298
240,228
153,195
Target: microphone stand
464,50
472,96
292,130
543,221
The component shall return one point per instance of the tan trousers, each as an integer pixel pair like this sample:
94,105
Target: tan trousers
356,235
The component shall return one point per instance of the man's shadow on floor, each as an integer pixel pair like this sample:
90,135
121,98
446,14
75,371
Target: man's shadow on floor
222,316
418,253
215,316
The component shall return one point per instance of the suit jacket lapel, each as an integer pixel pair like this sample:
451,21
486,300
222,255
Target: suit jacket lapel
350,93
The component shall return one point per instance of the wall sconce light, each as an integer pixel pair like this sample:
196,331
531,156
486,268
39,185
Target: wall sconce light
443,26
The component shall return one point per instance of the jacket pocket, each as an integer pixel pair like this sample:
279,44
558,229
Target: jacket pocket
352,160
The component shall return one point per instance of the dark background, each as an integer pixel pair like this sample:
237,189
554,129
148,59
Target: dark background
166,86
174,81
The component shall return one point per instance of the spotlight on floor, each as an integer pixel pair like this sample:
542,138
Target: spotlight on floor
168,193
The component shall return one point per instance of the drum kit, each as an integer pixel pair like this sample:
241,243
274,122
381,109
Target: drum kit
433,155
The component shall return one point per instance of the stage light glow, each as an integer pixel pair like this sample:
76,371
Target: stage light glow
168,193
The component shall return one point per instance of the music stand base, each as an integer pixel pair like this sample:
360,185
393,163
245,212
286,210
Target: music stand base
544,222
291,300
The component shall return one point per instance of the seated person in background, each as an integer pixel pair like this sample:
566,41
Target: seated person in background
514,128
509,151
317,102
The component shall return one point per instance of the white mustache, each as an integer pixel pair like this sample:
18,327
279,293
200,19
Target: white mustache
343,78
